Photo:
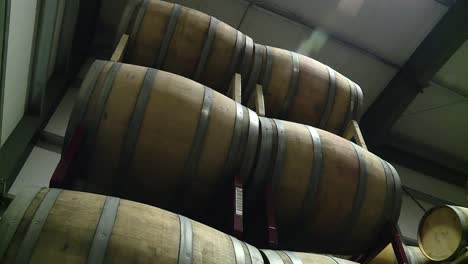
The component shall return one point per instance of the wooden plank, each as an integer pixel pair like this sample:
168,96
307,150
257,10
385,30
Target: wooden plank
257,101
235,91
119,51
353,131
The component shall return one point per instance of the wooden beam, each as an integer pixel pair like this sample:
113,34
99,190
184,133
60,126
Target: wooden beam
235,89
433,52
119,51
353,131
257,101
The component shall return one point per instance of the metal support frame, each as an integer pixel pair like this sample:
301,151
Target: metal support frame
60,178
422,165
441,43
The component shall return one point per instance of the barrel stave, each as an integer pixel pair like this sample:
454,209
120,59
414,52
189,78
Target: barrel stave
144,46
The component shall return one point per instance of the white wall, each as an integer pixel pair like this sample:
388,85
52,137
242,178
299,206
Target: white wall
411,212
432,186
18,59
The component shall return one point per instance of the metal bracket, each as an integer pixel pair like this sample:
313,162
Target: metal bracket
59,177
391,235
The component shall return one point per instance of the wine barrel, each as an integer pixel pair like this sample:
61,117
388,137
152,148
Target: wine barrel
184,41
192,44
330,195
387,256
159,138
303,90
60,226
443,232
288,257
162,139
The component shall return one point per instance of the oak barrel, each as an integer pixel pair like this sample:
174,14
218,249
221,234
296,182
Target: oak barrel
192,44
184,41
60,226
387,256
330,195
159,138
303,90
443,232
162,139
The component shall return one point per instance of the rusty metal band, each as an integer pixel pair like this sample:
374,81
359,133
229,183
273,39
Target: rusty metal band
280,154
255,255
272,256
359,103
264,156
359,198
81,105
351,108
12,217
137,23
206,49
234,149
191,164
259,52
330,98
387,214
186,241
235,60
133,130
397,193
292,88
267,70
170,29
247,57
128,18
314,179
293,257
28,244
238,250
102,102
97,252
251,146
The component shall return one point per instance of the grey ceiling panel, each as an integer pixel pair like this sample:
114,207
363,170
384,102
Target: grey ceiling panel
454,73
274,30
392,29
438,119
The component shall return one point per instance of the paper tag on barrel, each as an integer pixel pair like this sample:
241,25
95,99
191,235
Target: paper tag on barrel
238,207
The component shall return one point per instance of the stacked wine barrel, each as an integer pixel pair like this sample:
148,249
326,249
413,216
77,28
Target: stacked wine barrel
192,44
154,132
59,226
162,139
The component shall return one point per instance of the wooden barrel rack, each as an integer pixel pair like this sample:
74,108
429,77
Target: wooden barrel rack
391,235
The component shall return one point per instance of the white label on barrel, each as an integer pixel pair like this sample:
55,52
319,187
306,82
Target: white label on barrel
239,209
